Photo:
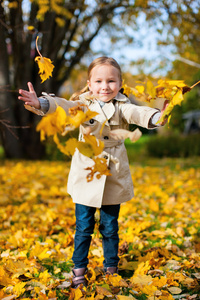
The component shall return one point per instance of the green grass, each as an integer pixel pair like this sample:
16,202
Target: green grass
138,154
137,151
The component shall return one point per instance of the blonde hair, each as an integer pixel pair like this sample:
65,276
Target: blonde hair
103,60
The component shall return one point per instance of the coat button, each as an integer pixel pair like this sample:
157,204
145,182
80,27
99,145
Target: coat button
91,121
105,156
106,137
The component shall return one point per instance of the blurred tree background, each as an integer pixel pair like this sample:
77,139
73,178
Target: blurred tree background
67,30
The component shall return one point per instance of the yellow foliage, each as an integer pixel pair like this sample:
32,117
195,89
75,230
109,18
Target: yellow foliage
13,4
52,123
172,90
45,67
100,167
38,224
19,289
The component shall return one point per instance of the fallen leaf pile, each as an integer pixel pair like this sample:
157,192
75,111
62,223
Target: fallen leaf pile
159,235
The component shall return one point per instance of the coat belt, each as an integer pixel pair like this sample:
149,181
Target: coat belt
112,143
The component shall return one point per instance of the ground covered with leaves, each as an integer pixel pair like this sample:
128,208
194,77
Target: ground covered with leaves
159,235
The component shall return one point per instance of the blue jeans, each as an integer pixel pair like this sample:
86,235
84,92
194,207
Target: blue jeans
85,222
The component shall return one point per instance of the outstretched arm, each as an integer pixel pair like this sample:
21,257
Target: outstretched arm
29,97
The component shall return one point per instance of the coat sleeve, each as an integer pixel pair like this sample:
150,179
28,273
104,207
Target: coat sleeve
57,101
139,115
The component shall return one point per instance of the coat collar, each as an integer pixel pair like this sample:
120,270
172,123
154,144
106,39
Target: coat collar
107,111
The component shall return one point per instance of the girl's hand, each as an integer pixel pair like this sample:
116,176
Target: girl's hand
29,97
166,103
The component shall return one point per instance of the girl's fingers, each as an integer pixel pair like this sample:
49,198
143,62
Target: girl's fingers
24,93
30,86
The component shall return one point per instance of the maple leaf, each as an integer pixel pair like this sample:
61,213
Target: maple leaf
96,144
45,65
52,123
100,167
116,280
77,117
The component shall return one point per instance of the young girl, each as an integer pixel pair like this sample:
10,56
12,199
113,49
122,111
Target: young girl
107,193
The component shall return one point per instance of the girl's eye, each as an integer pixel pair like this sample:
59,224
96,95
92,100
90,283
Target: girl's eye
98,81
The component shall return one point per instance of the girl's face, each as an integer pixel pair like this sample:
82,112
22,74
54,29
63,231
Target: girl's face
104,82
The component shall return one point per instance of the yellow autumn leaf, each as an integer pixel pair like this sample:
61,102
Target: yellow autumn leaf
177,98
141,280
127,90
45,65
178,83
30,28
44,277
86,149
100,167
116,280
149,290
140,88
77,294
13,4
52,123
103,291
150,89
96,144
44,254
69,147
19,289
5,279
122,297
60,21
78,117
166,113
91,275
142,268
154,205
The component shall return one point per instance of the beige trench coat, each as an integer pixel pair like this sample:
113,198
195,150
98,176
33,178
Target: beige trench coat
107,190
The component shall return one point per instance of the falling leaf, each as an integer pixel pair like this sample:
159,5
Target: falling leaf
150,89
45,65
100,167
52,123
